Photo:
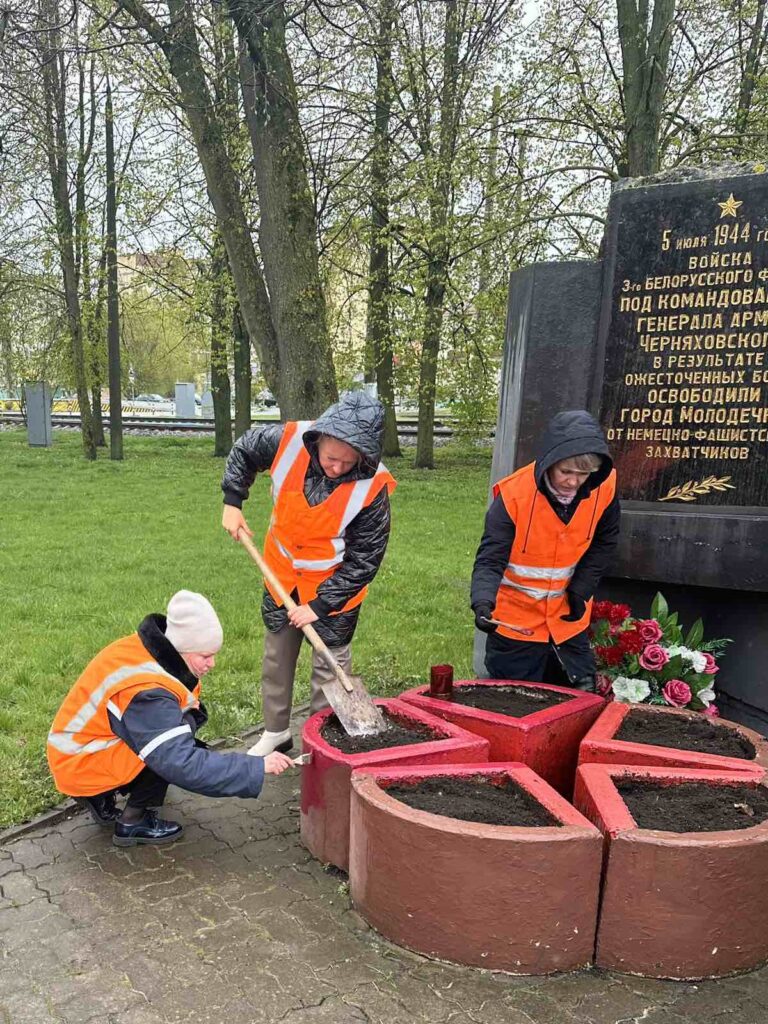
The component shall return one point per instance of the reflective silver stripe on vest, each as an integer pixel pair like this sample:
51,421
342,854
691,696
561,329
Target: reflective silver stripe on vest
317,564
66,745
535,572
535,592
280,471
64,741
357,499
169,734
111,706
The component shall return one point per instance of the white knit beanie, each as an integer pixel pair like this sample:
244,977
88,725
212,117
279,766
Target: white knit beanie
193,625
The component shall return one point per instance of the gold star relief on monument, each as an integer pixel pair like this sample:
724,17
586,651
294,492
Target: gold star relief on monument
730,206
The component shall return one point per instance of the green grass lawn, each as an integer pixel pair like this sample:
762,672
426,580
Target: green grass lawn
87,549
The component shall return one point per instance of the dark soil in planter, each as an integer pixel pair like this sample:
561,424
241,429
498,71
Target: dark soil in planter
477,799
399,733
515,701
684,734
694,806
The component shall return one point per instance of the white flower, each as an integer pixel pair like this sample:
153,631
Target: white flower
699,661
630,691
706,696
695,659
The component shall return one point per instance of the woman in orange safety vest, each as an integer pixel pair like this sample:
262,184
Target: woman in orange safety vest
128,726
325,542
550,534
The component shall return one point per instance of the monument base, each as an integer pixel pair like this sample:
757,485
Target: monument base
742,682
660,340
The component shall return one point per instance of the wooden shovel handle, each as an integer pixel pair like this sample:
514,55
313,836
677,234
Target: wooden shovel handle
309,631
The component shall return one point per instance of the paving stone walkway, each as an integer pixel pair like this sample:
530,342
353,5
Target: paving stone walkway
237,924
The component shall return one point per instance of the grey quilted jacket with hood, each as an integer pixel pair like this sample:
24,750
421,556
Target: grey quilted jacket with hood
358,420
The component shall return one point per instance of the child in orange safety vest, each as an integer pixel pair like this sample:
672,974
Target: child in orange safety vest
326,539
550,534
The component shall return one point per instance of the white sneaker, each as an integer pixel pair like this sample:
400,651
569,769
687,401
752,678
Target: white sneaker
269,741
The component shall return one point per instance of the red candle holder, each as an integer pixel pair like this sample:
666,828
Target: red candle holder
441,682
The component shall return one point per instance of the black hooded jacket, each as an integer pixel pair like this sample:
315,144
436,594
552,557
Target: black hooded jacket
567,434
358,420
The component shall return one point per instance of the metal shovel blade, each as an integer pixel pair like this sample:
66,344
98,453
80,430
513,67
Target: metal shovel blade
354,708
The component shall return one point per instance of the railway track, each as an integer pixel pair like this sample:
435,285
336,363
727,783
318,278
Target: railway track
405,428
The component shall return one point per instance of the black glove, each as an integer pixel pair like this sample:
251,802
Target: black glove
587,684
576,607
483,614
196,718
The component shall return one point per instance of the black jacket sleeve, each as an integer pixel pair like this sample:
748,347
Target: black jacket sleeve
598,559
366,540
252,453
155,728
492,555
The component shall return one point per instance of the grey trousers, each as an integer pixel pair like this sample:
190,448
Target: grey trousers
281,652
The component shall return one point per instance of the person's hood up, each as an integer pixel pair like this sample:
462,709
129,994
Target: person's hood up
571,433
358,420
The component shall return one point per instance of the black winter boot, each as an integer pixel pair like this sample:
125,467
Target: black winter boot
149,830
102,808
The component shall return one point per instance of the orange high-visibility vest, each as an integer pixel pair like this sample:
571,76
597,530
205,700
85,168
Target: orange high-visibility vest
85,756
544,556
305,543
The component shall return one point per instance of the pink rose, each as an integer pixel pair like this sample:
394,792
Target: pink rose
677,693
711,710
650,631
653,658
604,685
711,667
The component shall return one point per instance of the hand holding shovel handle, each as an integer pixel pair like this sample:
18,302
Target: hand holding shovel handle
309,632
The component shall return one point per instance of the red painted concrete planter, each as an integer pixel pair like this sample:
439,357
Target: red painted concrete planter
517,899
600,747
547,740
325,784
684,905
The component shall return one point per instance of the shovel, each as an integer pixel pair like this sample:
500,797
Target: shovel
346,694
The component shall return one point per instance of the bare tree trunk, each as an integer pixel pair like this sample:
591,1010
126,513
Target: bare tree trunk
242,372
220,333
6,347
378,327
749,76
113,309
288,228
438,243
491,184
228,96
91,339
54,88
645,60
179,44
